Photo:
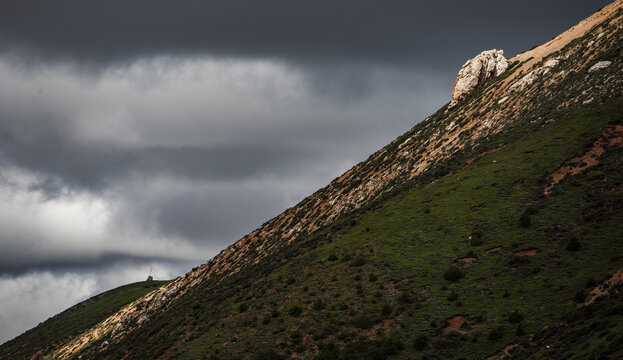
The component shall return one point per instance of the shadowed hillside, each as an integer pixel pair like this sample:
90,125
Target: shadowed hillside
472,235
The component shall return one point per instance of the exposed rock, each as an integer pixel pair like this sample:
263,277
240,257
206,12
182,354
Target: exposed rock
529,78
600,65
476,72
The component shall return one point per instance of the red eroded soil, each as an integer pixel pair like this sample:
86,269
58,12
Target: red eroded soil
495,249
454,324
467,260
527,252
612,137
504,353
604,289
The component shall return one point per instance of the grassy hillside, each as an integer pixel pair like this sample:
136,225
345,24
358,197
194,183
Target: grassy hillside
388,281
75,320
460,239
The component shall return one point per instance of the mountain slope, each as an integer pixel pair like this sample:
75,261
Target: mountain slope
55,331
381,261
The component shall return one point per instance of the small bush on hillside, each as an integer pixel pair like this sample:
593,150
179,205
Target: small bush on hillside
363,321
243,307
520,331
346,258
318,304
591,283
580,296
420,343
453,296
475,238
453,274
386,310
295,310
404,298
494,335
515,317
372,278
270,354
574,244
332,257
359,261
524,220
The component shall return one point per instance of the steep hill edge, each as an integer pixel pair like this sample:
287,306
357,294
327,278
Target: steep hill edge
443,143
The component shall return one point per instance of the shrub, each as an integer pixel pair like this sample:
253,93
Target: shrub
295,310
580,296
515,317
328,351
386,310
332,257
318,304
363,321
359,261
453,296
420,343
495,334
346,258
243,307
475,238
270,354
573,244
405,298
520,331
591,283
372,277
524,220
453,274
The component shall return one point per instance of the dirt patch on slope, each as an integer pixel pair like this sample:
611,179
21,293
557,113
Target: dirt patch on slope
466,260
605,287
454,324
527,252
495,249
612,137
538,53
504,352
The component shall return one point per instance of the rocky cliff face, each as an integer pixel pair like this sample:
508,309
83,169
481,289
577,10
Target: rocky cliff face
476,72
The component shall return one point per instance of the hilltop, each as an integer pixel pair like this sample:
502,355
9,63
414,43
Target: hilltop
492,228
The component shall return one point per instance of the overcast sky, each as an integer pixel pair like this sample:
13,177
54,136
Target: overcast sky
152,133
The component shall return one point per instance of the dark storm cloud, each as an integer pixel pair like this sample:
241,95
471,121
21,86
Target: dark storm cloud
394,31
97,168
16,266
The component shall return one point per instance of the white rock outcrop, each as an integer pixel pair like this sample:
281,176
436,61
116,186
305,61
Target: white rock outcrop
476,72
600,65
529,78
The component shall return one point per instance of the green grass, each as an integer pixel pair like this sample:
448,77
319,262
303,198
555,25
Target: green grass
408,243
75,320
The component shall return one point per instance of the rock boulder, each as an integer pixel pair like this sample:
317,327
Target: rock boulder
476,72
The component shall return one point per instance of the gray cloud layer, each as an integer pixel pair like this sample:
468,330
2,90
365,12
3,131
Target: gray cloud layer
137,134
394,31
